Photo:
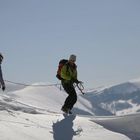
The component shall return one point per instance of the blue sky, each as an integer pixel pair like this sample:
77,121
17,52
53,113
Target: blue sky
104,34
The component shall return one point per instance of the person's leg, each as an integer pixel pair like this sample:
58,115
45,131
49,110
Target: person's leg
72,96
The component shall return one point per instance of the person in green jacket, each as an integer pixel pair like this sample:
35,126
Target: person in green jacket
69,77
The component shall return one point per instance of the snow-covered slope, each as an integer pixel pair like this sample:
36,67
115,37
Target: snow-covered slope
128,125
17,125
49,98
34,113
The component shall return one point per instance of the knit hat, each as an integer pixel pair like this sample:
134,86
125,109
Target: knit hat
72,57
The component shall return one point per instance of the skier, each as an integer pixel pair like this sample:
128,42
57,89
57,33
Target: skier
2,84
69,77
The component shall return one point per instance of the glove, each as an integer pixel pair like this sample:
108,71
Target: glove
3,88
74,81
77,81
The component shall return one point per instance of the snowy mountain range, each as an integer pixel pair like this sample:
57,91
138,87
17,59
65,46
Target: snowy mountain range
33,112
121,99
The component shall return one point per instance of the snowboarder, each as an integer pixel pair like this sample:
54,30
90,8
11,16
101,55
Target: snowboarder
2,84
69,77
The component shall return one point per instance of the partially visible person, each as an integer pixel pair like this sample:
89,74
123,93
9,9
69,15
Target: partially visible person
2,84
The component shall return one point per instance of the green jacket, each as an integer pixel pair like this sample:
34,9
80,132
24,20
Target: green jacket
69,73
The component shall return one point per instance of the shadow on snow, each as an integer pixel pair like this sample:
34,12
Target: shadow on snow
63,130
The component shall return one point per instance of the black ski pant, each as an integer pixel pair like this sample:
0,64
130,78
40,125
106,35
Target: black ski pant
72,96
